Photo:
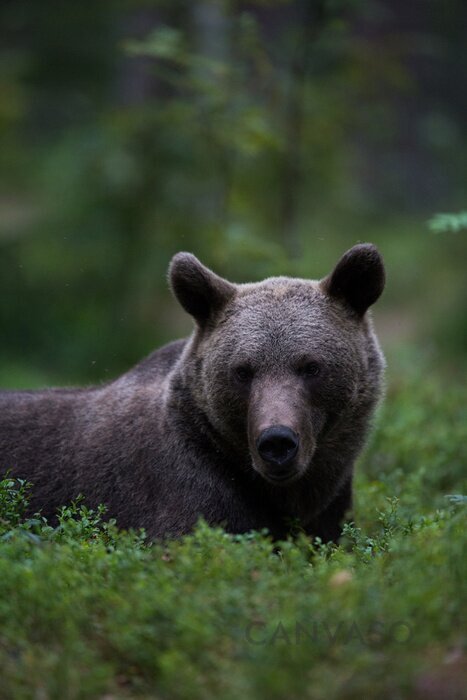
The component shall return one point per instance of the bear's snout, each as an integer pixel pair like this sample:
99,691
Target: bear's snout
280,433
278,447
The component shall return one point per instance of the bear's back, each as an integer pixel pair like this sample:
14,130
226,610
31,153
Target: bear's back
158,363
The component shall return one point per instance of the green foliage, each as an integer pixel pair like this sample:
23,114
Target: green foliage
266,137
441,223
88,611
419,453
457,498
13,501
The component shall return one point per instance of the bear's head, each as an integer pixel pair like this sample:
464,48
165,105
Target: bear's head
283,367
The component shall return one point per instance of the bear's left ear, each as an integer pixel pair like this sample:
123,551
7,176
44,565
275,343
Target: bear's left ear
200,291
358,278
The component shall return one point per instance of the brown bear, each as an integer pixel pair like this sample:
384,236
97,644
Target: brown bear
252,422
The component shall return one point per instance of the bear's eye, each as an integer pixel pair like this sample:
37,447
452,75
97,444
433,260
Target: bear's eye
243,374
309,369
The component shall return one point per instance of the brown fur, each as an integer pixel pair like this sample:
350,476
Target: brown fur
177,437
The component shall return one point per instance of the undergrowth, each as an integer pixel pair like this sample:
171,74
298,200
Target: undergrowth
89,611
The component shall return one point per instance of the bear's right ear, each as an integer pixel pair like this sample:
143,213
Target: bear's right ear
200,291
358,278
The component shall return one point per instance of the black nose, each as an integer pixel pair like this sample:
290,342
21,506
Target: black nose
277,445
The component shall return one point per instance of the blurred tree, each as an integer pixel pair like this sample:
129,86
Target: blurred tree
243,131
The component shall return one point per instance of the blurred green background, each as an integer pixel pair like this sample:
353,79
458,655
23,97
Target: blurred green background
266,137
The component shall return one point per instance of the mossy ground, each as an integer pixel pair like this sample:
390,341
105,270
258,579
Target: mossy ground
87,611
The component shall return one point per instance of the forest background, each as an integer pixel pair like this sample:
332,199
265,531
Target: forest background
266,137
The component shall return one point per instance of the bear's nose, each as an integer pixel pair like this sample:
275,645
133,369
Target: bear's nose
277,445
